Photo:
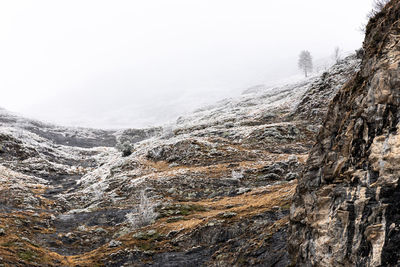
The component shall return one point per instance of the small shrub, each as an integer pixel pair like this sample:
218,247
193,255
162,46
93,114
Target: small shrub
27,255
378,5
175,219
237,175
360,53
145,214
146,246
324,75
125,148
286,206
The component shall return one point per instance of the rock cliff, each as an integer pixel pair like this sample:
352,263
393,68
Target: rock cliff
346,207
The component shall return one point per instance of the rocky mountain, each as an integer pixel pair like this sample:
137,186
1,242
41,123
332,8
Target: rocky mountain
212,189
78,137
345,210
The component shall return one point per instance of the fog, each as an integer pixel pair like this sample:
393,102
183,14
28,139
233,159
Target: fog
138,63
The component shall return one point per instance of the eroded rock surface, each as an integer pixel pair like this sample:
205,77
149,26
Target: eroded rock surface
346,207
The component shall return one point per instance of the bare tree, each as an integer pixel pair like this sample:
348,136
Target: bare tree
305,62
337,54
377,7
145,214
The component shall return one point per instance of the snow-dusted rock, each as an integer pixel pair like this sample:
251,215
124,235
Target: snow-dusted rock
216,182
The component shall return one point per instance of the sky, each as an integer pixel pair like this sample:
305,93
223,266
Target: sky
140,63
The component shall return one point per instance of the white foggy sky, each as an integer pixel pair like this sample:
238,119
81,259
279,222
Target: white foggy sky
138,63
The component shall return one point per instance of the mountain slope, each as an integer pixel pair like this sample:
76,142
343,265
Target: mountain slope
213,189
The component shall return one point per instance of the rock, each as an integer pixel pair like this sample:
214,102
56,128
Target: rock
293,158
151,232
100,231
114,243
175,219
69,238
229,125
291,176
26,239
139,235
2,232
228,214
270,177
174,164
82,228
242,190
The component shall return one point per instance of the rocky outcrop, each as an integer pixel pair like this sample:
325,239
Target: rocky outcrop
314,103
345,211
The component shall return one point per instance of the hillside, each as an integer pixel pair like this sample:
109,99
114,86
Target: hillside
212,189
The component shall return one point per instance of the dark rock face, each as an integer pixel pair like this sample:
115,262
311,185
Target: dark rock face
220,243
13,149
345,211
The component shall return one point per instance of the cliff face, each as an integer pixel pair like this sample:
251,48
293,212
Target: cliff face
346,208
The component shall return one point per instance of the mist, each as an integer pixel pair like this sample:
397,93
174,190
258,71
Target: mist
120,64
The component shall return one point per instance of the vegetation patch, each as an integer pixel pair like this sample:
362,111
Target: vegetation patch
27,255
9,244
149,235
146,246
180,209
176,219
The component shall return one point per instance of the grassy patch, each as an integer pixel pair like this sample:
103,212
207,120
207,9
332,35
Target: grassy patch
146,246
176,219
286,206
180,209
189,209
9,244
149,235
27,255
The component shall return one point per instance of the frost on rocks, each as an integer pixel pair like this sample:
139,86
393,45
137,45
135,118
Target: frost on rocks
145,214
231,130
237,174
80,182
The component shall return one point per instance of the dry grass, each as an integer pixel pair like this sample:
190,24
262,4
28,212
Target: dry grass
162,169
14,250
255,202
249,204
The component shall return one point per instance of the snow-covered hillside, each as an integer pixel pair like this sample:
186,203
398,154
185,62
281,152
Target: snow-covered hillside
81,137
219,179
